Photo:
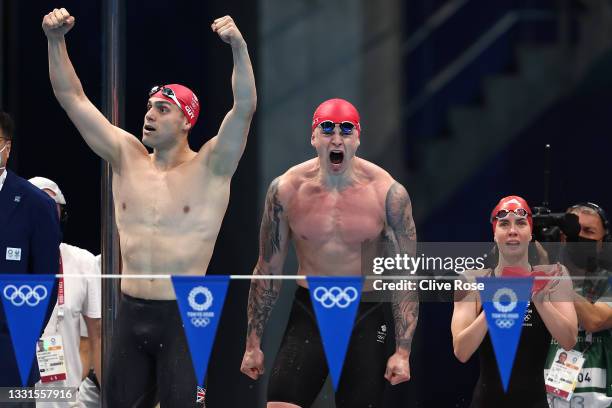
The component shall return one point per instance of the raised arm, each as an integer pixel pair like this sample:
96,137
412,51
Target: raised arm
101,136
401,233
222,153
273,240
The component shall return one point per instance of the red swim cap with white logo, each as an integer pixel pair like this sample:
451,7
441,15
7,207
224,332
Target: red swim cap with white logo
337,110
511,203
188,100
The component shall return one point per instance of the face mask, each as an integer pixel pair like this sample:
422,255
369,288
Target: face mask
583,253
2,167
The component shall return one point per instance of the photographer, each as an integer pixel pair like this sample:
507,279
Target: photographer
584,254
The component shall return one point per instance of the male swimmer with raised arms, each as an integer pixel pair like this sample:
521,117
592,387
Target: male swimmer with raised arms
169,207
329,206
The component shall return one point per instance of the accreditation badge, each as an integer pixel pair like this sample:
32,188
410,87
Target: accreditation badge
51,360
563,373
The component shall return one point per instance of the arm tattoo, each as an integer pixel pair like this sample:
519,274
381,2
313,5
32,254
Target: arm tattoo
269,235
402,233
262,297
264,292
399,215
405,307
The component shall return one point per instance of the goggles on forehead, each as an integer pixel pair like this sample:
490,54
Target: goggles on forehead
501,214
328,126
166,92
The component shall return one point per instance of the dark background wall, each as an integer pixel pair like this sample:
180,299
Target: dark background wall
47,144
580,166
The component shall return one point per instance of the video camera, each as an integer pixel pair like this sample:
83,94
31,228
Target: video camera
548,226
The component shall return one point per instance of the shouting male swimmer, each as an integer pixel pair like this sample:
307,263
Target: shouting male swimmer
329,206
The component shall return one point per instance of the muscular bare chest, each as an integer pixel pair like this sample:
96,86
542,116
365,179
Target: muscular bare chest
177,200
350,216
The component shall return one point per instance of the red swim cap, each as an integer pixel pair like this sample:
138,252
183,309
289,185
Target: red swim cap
189,103
337,110
511,203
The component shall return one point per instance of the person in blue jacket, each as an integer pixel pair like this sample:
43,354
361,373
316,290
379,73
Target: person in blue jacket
30,236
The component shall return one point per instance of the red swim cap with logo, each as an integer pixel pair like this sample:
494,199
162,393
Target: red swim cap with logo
188,100
511,203
337,110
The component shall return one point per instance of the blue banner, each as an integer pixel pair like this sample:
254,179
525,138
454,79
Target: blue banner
200,300
504,301
25,299
335,302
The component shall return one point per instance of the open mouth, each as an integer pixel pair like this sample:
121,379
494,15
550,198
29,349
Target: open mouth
149,128
336,157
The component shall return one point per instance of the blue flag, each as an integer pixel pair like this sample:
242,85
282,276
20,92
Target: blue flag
335,302
504,301
25,299
200,300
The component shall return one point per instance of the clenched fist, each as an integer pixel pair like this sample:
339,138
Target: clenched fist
253,363
227,30
57,23
398,368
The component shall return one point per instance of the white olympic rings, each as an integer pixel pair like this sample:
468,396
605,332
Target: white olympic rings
200,321
504,323
25,294
335,296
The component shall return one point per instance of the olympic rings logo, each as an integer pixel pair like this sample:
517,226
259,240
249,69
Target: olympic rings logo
200,321
208,298
25,294
504,292
504,323
335,296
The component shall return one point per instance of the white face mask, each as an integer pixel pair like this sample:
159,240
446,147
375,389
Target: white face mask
2,167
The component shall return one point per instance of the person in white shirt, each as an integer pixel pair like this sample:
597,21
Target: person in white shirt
82,297
89,390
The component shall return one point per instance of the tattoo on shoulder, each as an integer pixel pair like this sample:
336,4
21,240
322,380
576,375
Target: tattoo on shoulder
398,209
269,236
